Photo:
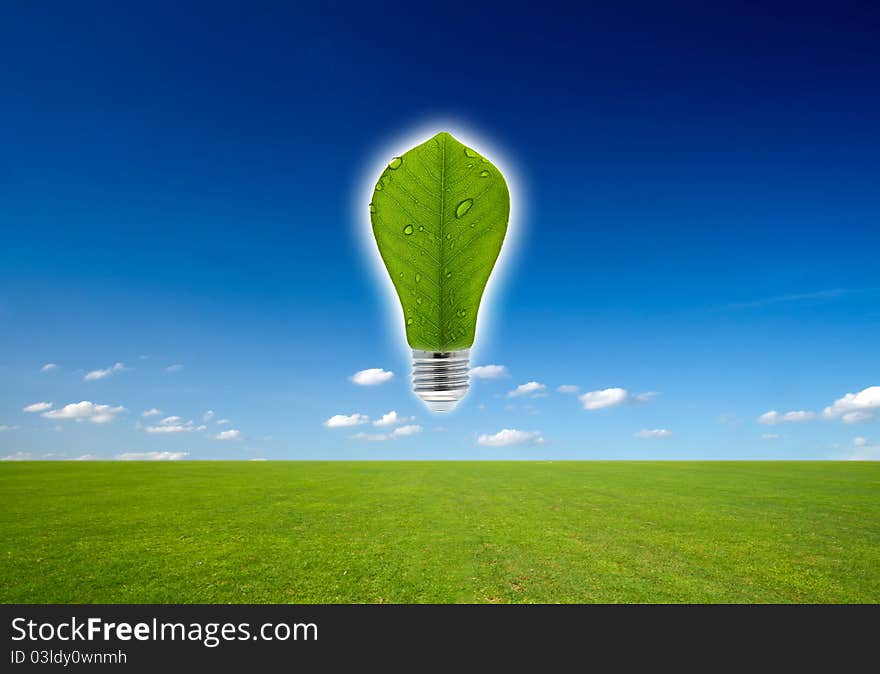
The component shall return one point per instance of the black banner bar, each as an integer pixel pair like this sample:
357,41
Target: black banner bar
279,637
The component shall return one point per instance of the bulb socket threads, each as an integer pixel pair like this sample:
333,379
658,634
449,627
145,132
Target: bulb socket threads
440,378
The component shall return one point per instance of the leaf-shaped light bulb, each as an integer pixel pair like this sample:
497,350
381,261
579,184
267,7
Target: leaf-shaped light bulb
439,215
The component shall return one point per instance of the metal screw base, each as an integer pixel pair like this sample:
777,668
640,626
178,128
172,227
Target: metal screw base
441,379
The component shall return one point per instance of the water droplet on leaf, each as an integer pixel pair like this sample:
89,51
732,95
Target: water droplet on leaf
372,208
463,207
408,230
449,274
409,321
470,153
484,174
395,163
418,277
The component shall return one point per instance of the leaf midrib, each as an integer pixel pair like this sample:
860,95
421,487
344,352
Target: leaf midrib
442,266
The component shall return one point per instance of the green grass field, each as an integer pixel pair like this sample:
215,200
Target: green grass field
291,532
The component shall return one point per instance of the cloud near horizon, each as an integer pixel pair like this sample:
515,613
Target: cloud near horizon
511,436
18,456
151,456
400,432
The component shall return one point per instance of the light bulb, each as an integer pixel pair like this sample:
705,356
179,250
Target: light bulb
439,214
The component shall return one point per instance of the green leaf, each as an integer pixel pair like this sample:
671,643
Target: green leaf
439,215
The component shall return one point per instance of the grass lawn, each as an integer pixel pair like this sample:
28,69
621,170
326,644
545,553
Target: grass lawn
291,532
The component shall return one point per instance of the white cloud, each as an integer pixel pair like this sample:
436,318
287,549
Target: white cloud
568,388
773,417
489,372
651,433
37,407
611,397
4,427
151,456
608,397
391,419
207,416
106,372
532,388
871,453
231,434
223,422
343,420
86,410
258,458
770,436
410,429
373,437
152,412
371,377
18,456
856,417
511,436
48,367
854,407
863,450
174,424
176,428
177,367
85,457
798,416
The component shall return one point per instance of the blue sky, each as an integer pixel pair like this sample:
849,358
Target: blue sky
698,209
